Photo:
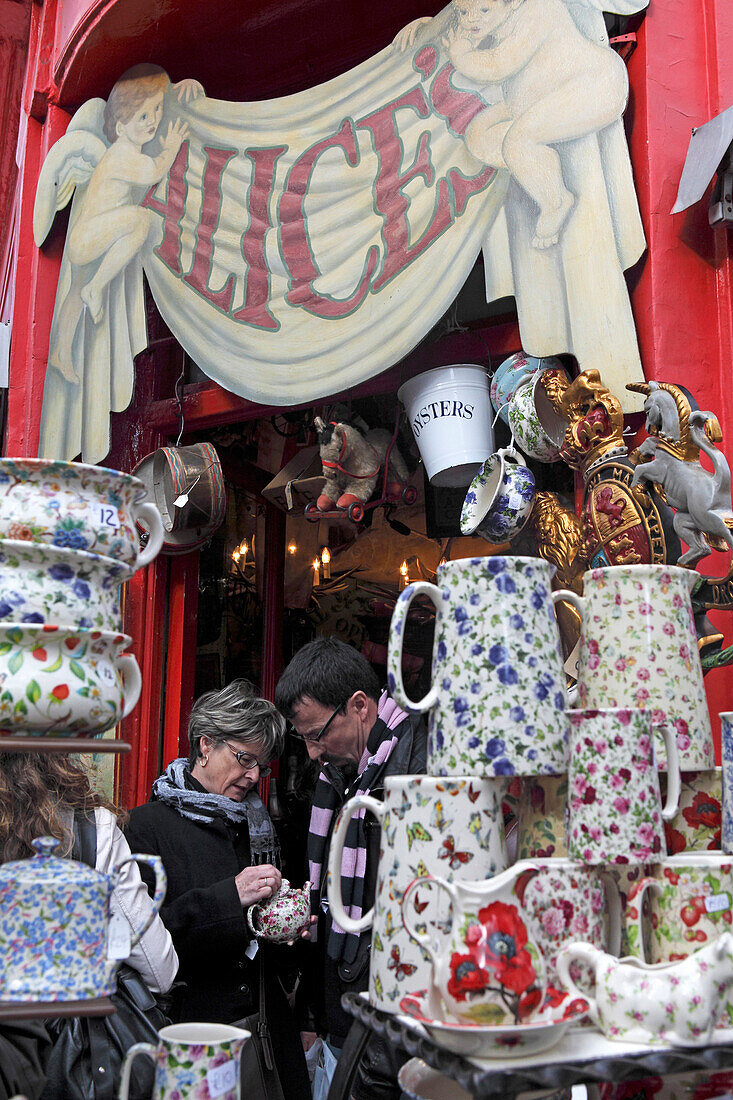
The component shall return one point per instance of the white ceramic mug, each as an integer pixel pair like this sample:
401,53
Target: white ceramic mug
61,682
78,507
191,1060
497,704
451,827
638,648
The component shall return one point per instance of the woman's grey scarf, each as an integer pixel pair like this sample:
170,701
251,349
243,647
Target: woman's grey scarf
174,787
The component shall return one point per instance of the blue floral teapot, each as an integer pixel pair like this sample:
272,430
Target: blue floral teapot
58,941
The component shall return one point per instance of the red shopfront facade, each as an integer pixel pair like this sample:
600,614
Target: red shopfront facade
682,289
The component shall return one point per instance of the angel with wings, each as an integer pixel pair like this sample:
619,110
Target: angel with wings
108,228
555,94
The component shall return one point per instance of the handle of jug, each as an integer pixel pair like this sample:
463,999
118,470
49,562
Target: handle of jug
396,638
432,946
338,842
138,1048
578,952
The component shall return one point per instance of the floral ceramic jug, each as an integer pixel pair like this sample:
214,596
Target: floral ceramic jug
490,970
497,702
57,941
282,917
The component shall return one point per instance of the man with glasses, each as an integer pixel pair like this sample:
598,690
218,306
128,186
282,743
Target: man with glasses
330,694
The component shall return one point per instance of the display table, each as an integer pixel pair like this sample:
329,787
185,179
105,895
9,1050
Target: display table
583,1056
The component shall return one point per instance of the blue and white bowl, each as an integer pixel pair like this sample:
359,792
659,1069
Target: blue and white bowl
500,498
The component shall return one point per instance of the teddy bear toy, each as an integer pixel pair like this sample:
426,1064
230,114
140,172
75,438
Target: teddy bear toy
352,464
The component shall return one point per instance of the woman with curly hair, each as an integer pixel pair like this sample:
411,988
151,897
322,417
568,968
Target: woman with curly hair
39,794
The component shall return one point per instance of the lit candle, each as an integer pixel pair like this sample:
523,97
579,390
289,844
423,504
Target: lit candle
326,560
292,548
316,570
404,576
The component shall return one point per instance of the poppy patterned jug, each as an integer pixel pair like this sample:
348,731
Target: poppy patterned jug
490,970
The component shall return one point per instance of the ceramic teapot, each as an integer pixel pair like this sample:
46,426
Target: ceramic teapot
282,917
674,1003
57,940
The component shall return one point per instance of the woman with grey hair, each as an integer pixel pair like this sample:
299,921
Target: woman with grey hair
208,824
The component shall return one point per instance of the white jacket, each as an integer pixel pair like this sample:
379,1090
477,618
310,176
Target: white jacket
154,956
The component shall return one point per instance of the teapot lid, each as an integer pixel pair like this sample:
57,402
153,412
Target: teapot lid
45,868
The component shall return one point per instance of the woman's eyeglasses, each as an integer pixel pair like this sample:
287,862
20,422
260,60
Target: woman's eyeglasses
315,737
249,762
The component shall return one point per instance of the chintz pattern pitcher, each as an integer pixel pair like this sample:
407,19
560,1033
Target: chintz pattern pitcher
497,701
638,648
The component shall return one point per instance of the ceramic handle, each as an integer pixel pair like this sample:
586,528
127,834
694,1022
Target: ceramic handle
634,914
396,636
338,841
614,908
423,938
137,1048
571,597
160,887
673,773
512,452
250,920
132,682
148,515
578,952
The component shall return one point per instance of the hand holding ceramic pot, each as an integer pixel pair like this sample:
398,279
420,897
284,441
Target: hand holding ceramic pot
616,814
283,917
78,507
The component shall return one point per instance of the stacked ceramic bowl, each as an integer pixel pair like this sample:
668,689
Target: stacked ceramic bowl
520,397
68,541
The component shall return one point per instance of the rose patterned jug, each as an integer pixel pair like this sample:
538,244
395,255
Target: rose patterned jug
282,917
490,971
638,648
57,942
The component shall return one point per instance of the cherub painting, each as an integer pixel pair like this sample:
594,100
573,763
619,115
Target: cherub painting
101,162
555,95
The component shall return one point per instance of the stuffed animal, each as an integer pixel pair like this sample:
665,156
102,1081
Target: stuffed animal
353,464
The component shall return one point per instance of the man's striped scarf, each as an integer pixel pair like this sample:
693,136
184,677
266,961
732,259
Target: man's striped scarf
326,801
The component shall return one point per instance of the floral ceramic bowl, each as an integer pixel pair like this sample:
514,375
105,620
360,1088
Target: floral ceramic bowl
513,373
535,425
499,499
77,507
543,1031
48,584
62,682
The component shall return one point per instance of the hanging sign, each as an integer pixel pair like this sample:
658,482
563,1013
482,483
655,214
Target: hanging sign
299,246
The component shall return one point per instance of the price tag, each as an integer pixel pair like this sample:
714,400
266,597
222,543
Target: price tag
108,517
222,1078
571,665
717,903
252,949
118,940
106,673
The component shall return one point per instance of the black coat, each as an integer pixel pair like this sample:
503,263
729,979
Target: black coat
204,915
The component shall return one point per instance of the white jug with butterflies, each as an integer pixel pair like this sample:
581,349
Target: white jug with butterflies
447,827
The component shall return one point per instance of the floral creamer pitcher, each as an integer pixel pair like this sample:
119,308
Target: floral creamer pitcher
490,970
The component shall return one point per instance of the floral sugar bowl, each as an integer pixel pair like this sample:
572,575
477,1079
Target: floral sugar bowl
57,940
282,917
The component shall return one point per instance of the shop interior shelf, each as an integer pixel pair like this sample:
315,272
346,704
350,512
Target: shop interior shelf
38,1010
62,744
583,1056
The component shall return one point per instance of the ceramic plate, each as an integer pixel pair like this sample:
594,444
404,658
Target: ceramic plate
511,1041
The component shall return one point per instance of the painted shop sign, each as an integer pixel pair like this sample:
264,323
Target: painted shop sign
298,246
